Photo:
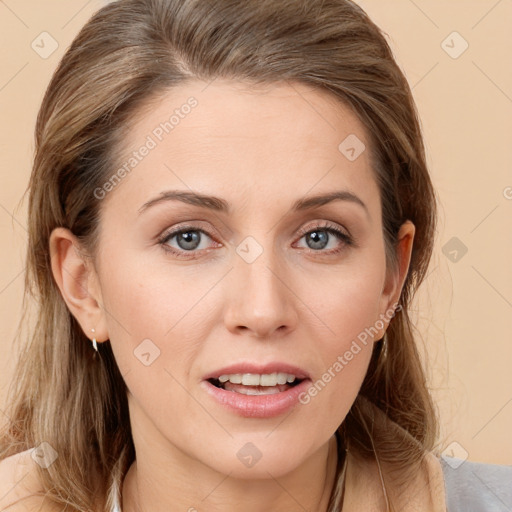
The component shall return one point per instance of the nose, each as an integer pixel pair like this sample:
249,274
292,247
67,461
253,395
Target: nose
261,299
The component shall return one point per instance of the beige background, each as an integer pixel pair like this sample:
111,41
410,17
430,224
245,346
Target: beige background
464,310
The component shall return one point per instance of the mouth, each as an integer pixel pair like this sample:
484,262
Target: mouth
255,383
254,390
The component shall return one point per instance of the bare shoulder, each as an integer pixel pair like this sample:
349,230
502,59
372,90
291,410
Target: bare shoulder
19,485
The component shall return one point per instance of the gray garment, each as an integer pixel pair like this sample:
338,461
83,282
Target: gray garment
476,487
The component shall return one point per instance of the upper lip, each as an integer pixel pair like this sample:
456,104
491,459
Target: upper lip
261,369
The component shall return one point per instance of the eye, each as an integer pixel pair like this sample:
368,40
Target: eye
187,239
319,237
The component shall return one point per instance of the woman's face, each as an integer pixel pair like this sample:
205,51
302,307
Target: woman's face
258,287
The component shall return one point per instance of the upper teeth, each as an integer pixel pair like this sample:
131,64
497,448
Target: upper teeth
255,379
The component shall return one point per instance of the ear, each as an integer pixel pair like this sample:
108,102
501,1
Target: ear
395,278
78,282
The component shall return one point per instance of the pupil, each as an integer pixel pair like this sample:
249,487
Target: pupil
319,239
190,240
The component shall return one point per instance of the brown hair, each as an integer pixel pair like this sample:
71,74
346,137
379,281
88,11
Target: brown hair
128,53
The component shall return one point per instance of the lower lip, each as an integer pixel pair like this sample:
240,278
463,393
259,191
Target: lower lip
257,406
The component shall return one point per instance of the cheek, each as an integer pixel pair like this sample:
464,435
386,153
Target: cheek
145,298
349,308
346,301
335,388
150,311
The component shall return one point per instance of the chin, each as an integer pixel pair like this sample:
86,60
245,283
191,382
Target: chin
262,456
273,467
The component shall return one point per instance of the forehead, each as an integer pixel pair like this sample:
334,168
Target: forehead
250,141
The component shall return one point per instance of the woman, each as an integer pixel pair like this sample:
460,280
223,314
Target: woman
230,200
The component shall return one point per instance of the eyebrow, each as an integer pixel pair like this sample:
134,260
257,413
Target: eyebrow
220,205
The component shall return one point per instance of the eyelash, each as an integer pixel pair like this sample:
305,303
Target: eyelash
327,227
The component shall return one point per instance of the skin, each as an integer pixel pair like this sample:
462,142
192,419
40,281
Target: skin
260,149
